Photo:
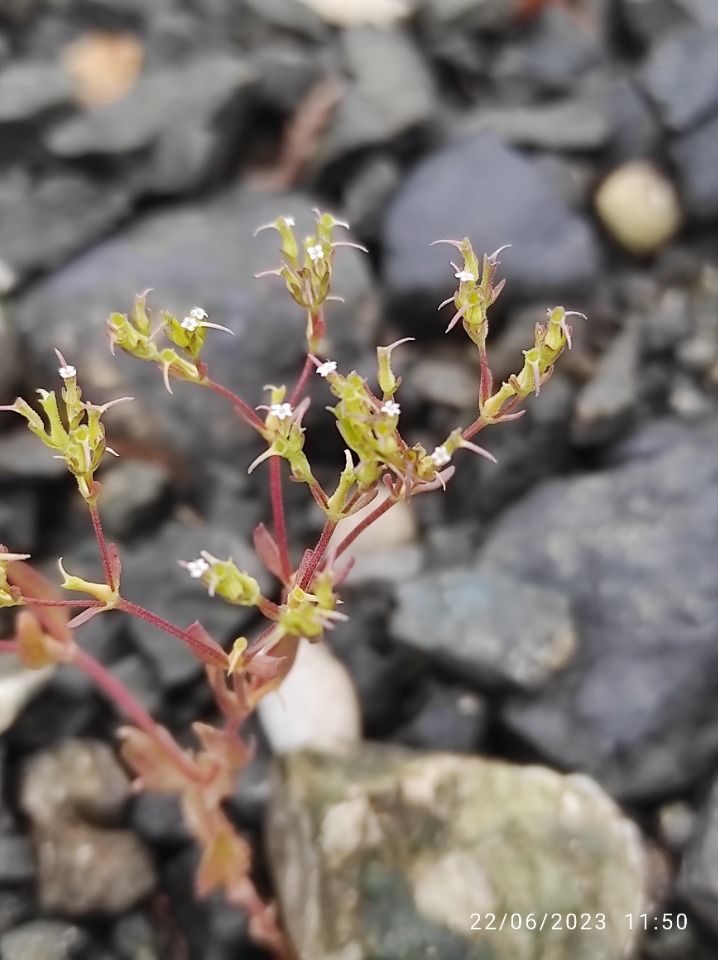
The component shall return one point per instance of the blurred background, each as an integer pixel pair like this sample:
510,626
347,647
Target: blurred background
559,607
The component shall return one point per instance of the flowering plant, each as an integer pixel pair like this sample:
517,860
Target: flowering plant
307,598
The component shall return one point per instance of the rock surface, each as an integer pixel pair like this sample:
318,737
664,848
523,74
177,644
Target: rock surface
633,548
492,630
71,795
397,854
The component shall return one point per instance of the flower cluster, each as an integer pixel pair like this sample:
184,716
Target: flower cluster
477,290
284,433
307,271
369,425
224,579
133,334
550,340
80,439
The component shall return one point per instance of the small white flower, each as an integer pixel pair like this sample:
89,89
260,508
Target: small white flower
190,323
282,411
67,372
197,568
464,276
289,221
391,408
315,253
198,313
324,369
440,457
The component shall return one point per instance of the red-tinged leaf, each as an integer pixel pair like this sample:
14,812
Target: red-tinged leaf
268,551
224,745
36,648
155,767
265,666
84,616
341,575
225,859
205,647
34,584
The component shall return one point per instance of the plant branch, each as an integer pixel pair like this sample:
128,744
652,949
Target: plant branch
280,528
317,554
297,392
102,544
243,409
379,511
206,651
122,697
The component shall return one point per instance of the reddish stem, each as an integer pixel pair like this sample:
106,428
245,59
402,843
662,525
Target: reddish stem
242,408
366,522
102,544
297,392
480,423
317,554
280,528
122,697
37,602
9,646
207,652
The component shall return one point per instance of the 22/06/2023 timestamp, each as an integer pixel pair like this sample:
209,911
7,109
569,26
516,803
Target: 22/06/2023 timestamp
659,921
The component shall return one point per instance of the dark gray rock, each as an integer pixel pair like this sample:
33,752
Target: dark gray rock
18,517
157,818
648,20
285,73
634,548
448,718
694,157
491,193
187,121
535,447
495,631
697,882
636,131
469,15
23,458
29,89
381,671
576,124
681,76
367,194
134,494
43,223
153,579
134,936
702,12
551,57
199,254
11,358
392,92
17,865
46,940
608,403
213,929
15,907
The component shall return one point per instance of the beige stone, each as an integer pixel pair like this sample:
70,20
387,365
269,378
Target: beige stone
639,207
357,13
